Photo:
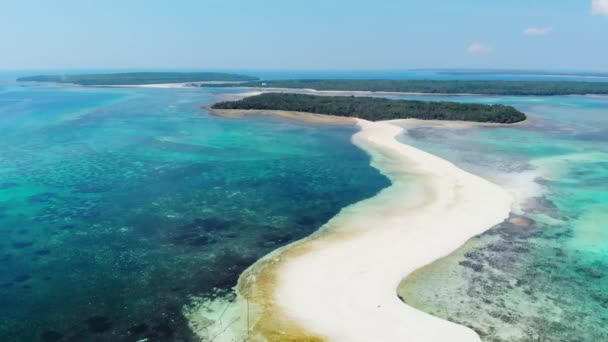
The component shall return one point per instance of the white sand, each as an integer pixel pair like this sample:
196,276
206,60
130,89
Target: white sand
340,284
351,92
159,85
165,85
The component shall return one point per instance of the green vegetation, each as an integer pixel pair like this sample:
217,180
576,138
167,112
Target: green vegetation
373,109
137,78
443,87
522,73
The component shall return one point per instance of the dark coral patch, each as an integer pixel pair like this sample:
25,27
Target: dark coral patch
41,198
474,266
7,185
209,224
164,329
98,324
199,232
306,220
139,329
51,336
22,278
22,245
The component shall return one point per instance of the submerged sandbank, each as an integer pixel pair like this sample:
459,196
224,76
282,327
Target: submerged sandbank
340,283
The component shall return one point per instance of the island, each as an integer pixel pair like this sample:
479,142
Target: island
140,78
522,73
376,109
538,88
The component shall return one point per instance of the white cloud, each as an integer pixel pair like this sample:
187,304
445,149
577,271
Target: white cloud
477,48
538,31
599,7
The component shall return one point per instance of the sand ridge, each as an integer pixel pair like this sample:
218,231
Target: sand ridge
340,283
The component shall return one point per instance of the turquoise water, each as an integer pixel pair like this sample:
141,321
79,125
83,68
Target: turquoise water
546,280
117,205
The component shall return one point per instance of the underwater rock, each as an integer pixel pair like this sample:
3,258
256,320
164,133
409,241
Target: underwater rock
41,198
139,329
541,205
164,329
306,220
590,272
22,245
474,266
98,324
520,221
198,232
22,278
7,185
51,336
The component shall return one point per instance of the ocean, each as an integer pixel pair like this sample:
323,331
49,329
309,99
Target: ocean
119,206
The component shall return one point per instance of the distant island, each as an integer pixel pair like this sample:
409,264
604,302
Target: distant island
375,109
522,73
140,78
538,88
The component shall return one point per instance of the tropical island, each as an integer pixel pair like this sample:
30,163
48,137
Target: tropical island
522,73
139,78
376,109
538,88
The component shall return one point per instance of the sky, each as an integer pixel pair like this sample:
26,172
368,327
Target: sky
312,34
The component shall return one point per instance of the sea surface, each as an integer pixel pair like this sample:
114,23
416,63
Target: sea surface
119,206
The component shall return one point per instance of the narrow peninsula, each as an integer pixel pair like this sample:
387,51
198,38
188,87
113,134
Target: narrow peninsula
376,109
139,78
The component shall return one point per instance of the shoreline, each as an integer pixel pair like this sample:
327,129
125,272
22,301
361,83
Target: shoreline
355,263
328,119
303,117
301,90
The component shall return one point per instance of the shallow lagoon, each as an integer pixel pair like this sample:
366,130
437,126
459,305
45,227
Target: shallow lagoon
117,205
544,280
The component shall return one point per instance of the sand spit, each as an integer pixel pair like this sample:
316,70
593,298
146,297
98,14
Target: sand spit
340,283
288,115
165,85
311,91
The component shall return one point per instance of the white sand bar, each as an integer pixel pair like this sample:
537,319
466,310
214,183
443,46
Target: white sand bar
340,284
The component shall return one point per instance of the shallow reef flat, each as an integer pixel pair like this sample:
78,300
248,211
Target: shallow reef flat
540,275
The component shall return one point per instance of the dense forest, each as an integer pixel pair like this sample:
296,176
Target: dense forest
442,87
374,109
522,73
137,78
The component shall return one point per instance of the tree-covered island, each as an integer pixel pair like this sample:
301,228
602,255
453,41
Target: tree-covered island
374,109
537,88
140,78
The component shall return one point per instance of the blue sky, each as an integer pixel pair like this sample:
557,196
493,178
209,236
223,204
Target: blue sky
312,34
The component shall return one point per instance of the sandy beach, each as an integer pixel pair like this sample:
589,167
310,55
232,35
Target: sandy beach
321,119
340,283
